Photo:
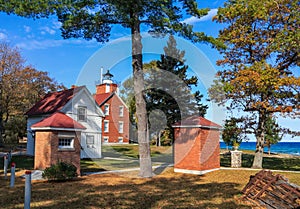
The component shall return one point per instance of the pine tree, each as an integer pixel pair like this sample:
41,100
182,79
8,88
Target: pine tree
273,133
169,88
233,134
93,19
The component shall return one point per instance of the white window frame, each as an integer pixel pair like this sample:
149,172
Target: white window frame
66,136
120,140
105,139
106,109
80,114
121,110
67,140
106,128
121,127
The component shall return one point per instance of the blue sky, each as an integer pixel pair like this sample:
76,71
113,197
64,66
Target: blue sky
77,61
43,47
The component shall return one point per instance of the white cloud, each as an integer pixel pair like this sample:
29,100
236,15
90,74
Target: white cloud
34,44
27,28
208,17
3,36
47,30
120,40
56,24
45,44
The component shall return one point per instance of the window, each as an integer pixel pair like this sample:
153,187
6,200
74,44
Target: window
90,140
121,124
106,109
81,113
106,126
66,140
66,143
107,88
120,139
105,139
121,111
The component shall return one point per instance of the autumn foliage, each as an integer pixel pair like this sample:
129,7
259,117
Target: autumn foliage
21,86
260,61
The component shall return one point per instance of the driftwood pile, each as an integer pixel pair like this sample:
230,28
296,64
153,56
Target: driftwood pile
271,191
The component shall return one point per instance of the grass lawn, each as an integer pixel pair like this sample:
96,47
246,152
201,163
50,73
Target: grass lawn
273,162
218,189
132,151
22,163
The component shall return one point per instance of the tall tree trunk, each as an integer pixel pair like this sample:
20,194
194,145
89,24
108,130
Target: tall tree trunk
141,113
1,127
260,141
1,111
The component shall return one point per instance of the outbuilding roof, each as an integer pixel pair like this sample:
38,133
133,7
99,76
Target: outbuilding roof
197,121
59,121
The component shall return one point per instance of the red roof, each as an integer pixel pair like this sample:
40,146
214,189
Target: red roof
58,120
101,98
53,102
197,121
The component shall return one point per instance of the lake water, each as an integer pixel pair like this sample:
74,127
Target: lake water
292,148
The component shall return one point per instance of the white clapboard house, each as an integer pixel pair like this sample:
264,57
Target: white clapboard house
76,103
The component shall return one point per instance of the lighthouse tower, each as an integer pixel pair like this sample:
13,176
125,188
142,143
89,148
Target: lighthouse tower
115,125
106,84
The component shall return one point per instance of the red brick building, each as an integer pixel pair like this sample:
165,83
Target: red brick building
196,146
115,125
58,140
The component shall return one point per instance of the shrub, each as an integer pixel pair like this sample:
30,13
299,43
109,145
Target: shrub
60,171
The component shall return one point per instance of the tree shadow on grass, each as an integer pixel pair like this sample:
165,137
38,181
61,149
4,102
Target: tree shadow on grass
22,162
247,159
112,191
282,163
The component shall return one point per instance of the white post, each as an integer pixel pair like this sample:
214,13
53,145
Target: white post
12,174
5,166
101,75
27,190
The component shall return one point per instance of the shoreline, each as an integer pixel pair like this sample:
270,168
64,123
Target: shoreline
281,148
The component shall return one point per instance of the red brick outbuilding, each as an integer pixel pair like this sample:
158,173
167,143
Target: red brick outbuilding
57,139
196,146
